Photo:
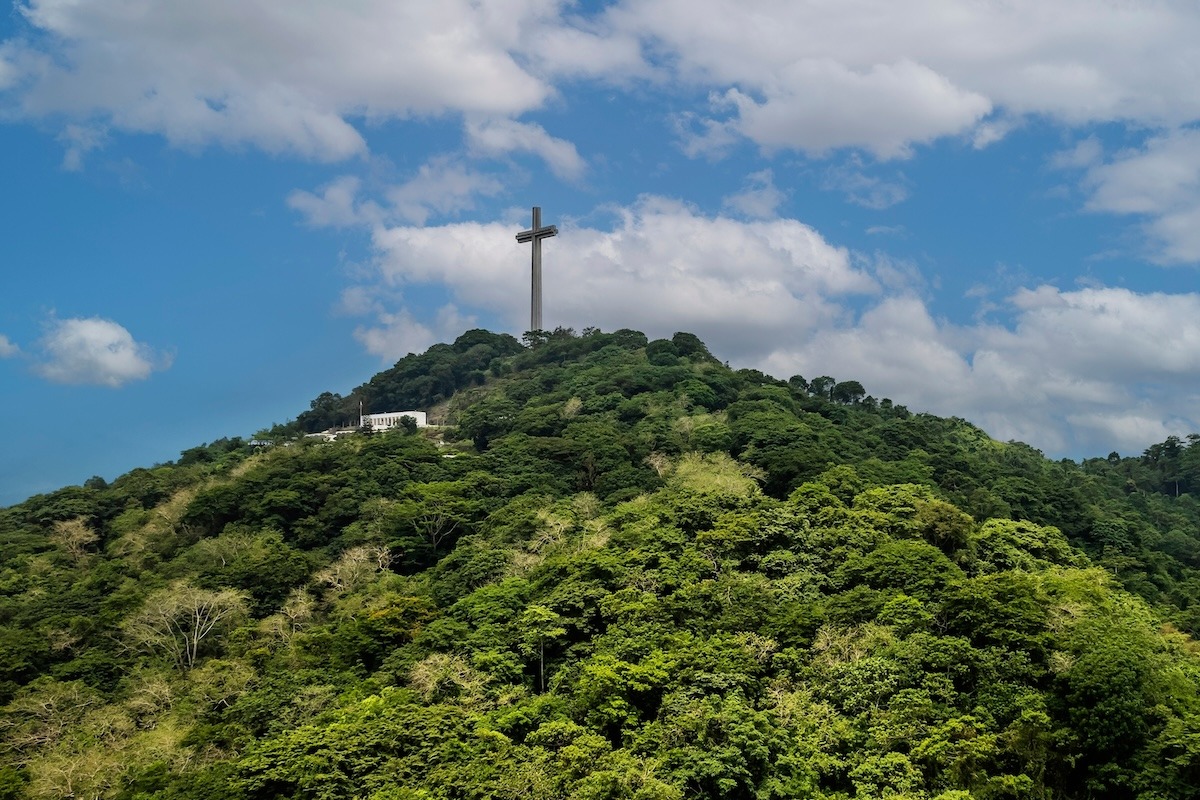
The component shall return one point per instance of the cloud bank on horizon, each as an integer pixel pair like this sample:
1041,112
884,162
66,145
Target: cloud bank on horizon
422,128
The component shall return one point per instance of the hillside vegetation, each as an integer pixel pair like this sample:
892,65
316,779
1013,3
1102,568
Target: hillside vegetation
621,570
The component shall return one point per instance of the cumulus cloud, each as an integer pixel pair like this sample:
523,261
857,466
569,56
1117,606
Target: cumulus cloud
1112,334
872,74
582,44
663,266
95,351
885,76
8,349
1074,372
285,78
1161,175
818,105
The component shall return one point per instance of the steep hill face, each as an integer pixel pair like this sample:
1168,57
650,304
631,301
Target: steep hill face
622,570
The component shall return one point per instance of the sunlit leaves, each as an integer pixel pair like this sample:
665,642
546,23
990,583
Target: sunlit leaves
657,578
183,622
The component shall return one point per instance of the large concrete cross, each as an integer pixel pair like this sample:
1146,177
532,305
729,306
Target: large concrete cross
535,234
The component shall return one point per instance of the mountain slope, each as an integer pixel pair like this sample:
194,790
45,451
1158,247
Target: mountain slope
624,570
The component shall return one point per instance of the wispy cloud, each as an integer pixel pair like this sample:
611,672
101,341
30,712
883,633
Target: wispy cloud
79,141
336,205
498,137
858,186
442,186
1160,182
759,199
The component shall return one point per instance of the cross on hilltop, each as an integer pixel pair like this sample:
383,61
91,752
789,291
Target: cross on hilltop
535,234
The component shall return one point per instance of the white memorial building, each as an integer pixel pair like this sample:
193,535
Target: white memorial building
391,419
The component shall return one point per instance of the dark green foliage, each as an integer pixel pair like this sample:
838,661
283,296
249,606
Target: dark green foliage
261,564
622,570
12,783
847,392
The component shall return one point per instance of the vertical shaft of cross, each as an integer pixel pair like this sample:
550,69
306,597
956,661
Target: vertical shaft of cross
534,236
535,298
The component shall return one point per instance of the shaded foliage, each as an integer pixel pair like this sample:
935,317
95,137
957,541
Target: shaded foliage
621,570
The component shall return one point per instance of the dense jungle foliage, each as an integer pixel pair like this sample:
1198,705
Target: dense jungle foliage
620,570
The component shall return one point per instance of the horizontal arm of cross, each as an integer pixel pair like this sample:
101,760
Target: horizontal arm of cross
543,232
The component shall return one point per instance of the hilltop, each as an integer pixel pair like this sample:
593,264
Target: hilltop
615,568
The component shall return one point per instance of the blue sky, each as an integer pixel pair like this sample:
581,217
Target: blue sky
214,211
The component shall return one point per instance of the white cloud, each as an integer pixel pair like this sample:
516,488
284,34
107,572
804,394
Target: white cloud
79,141
863,189
1160,181
818,105
993,130
575,46
399,333
284,78
1079,372
1112,334
701,136
359,301
442,186
95,351
874,74
1160,176
337,205
502,136
1085,153
884,76
1177,234
8,349
663,267
1129,430
759,200
8,70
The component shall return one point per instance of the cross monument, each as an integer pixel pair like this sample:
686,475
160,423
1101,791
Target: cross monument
535,234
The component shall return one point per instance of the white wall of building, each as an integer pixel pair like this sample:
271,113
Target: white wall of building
391,419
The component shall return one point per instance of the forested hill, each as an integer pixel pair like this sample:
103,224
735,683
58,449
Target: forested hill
619,570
